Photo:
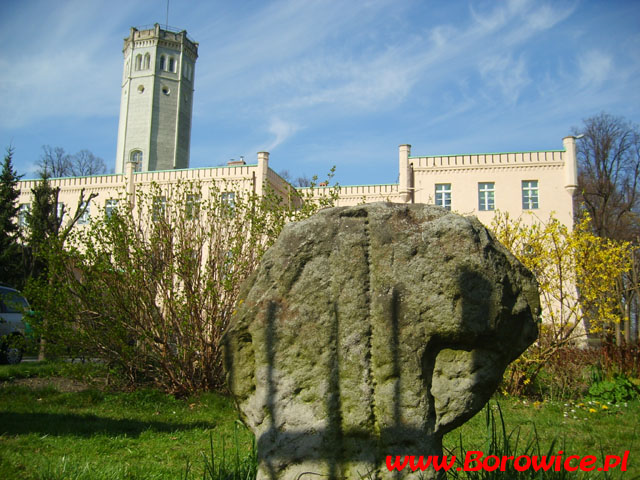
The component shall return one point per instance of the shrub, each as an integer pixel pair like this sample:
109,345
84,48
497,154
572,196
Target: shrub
619,389
150,288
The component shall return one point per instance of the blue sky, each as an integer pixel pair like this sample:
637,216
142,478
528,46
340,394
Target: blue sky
323,83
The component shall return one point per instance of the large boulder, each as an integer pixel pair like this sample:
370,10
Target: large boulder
370,331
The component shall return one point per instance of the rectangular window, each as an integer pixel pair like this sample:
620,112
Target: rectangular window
529,194
229,199
159,207
23,214
60,211
443,195
192,207
486,196
110,207
86,215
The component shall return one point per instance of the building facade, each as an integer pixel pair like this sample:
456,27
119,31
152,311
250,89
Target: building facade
154,133
538,183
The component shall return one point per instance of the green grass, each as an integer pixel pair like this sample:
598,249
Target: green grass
47,434
76,370
544,428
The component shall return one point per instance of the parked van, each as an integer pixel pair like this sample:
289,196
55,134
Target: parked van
12,327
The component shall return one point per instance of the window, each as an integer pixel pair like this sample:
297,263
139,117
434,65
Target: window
159,208
84,218
172,64
110,207
138,62
136,158
23,214
12,301
147,61
486,196
229,199
163,61
443,195
529,194
60,211
192,206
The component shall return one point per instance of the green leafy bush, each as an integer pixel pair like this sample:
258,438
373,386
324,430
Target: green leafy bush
619,389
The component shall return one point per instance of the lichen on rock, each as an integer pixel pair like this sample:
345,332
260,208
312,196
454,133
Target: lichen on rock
371,331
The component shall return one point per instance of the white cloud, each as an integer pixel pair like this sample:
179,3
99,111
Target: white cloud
281,130
509,76
595,67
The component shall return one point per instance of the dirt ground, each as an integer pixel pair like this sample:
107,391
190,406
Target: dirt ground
59,383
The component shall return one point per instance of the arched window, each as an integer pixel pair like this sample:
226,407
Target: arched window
136,158
147,61
163,61
138,62
172,64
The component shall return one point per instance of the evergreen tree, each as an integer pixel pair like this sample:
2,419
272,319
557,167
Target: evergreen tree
43,224
10,255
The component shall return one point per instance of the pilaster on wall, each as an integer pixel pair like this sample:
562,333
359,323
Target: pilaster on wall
405,177
131,186
261,173
570,165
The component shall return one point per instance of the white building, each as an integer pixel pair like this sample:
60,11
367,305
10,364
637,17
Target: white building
157,99
154,136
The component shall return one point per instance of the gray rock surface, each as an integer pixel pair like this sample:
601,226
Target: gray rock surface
371,331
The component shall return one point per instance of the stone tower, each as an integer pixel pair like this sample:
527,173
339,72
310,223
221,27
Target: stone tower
157,99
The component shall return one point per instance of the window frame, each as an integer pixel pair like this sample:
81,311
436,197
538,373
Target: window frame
110,205
530,195
486,196
443,196
137,157
24,209
159,208
85,218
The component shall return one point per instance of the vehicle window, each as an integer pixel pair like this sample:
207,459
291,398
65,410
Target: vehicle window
14,302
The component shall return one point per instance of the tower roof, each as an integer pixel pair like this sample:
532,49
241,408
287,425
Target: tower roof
164,33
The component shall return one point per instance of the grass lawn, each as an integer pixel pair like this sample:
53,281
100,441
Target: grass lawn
56,428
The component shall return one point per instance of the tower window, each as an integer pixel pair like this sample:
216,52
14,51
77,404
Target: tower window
163,61
136,158
147,61
172,64
139,62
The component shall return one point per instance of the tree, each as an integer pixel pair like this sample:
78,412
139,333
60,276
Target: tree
609,185
301,181
43,224
45,234
577,273
10,252
151,288
609,175
85,163
55,162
